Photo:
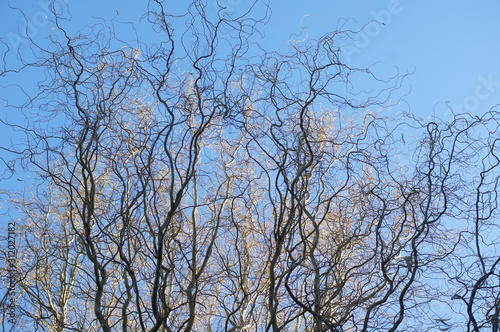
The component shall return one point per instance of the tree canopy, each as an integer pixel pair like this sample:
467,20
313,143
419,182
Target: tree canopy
192,181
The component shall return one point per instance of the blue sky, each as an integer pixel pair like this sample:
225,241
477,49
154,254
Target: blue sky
451,47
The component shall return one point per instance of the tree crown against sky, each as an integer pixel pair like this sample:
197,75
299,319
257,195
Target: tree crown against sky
192,181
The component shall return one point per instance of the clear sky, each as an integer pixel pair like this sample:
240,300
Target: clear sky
451,47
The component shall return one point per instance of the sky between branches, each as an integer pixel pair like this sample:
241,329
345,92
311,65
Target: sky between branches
452,48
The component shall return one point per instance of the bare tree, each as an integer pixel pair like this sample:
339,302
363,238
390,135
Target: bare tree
201,184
